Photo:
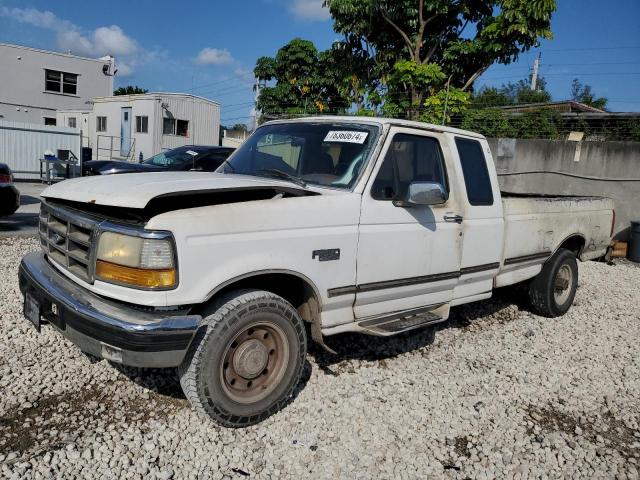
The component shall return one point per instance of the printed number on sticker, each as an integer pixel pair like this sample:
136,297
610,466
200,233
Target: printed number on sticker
346,136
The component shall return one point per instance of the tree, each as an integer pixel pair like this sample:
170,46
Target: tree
441,106
491,97
490,122
129,90
306,81
520,92
584,94
406,37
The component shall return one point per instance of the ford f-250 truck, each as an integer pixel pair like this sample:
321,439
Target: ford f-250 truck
376,226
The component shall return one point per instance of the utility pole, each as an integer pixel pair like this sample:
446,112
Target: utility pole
534,74
255,107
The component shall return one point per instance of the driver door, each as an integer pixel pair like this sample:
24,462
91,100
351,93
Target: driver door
408,257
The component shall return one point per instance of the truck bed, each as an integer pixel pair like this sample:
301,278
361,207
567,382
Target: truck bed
536,226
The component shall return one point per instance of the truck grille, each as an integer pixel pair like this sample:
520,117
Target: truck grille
67,239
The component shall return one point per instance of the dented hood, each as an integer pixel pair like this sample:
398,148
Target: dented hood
135,190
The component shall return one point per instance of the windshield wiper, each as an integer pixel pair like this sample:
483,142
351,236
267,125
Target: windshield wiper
274,172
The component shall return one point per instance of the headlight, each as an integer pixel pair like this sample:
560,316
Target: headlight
136,261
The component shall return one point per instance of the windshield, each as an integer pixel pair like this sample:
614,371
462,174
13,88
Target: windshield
172,158
327,154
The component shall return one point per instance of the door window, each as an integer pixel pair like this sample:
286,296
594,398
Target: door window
410,158
474,171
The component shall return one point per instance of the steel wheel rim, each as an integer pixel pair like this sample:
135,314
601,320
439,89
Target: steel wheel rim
254,362
562,284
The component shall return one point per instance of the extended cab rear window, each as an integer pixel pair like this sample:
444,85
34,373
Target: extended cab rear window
475,172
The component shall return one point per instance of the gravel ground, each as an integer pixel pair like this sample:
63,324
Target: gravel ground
495,392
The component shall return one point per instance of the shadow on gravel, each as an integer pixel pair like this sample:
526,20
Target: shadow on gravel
165,384
53,422
504,307
162,381
19,223
602,430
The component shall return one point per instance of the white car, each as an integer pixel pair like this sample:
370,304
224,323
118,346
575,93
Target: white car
349,224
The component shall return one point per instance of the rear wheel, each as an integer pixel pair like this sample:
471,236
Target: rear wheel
246,364
552,291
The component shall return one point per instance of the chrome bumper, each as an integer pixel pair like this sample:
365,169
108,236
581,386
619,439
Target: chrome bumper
106,328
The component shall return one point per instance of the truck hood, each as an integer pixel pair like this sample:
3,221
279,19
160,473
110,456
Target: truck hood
136,190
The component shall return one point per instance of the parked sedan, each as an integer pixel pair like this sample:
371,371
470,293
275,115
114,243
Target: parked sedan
189,157
9,194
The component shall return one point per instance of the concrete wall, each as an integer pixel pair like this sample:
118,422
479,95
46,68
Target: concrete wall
610,169
23,144
22,78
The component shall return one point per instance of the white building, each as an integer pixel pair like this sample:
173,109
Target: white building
126,126
34,83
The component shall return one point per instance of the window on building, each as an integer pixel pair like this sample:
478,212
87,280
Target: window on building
168,126
171,126
60,82
474,171
101,124
142,124
50,121
410,158
71,121
182,128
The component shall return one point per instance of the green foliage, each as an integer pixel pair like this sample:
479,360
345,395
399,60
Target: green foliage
456,101
584,94
543,123
463,38
406,78
408,72
491,97
520,92
129,90
306,81
490,122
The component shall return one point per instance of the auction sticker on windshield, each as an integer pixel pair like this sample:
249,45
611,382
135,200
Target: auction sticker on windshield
346,136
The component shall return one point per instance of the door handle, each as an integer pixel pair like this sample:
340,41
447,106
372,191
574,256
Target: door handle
453,218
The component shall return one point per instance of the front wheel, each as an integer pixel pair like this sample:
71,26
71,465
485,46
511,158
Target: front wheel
244,366
552,291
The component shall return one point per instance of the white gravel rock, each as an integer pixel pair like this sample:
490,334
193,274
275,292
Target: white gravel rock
495,392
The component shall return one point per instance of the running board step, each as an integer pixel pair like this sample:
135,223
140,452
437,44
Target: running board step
405,320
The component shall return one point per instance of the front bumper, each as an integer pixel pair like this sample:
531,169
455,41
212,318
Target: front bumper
106,328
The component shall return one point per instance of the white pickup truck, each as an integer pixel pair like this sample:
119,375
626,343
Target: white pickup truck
367,225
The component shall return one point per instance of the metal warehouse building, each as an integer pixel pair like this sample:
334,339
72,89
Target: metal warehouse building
126,126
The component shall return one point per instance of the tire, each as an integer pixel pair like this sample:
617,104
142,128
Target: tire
552,291
244,365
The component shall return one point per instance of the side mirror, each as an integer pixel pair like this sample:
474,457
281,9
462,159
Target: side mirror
423,193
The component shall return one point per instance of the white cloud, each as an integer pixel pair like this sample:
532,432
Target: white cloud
107,40
214,56
38,18
309,10
113,40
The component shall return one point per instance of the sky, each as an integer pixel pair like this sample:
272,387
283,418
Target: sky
210,47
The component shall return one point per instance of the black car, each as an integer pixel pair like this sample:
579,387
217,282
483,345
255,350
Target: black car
189,157
9,195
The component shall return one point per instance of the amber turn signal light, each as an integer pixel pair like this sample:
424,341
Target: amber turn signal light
138,277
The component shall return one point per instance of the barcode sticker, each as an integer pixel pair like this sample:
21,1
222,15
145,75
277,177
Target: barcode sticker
346,136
